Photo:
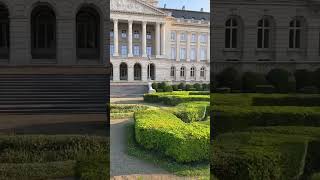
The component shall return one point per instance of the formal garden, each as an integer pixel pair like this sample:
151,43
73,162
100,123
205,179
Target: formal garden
170,130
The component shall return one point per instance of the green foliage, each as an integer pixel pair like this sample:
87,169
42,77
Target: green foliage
251,80
309,90
168,89
229,77
279,78
294,100
162,85
174,98
155,86
316,77
161,130
198,87
119,111
189,87
175,87
303,78
182,86
192,112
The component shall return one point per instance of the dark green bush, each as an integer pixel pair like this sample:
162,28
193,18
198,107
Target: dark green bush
309,90
162,85
155,86
171,99
162,131
223,90
316,77
168,89
303,78
175,87
267,89
182,86
228,78
251,80
198,87
286,101
160,90
192,111
189,87
279,78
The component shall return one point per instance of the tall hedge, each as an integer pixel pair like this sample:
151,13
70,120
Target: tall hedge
279,78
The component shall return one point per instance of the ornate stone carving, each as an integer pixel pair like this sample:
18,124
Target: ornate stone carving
131,6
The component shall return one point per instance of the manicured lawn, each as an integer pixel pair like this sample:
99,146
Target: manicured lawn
121,111
265,136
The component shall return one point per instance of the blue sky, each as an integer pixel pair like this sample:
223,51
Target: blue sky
190,4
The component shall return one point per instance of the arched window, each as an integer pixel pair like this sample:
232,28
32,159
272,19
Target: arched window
137,72
202,72
264,33
43,33
123,72
4,32
151,72
192,72
183,72
295,33
173,72
232,33
88,33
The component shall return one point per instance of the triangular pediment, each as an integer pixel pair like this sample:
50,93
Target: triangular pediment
135,6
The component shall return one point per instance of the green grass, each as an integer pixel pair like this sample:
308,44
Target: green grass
121,111
190,169
315,176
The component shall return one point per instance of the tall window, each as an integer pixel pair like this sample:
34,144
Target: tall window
173,71
43,33
4,32
124,51
202,72
231,33
88,33
295,31
182,72
173,36
149,51
193,54
123,71
203,53
111,49
112,33
136,35
192,72
263,40
124,34
203,38
173,53
111,69
183,36
151,72
136,50
182,53
137,72
193,38
149,36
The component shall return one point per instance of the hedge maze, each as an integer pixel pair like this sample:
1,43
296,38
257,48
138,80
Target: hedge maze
265,136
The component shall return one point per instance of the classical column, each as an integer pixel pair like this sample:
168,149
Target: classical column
130,54
144,39
115,37
188,46
163,39
158,40
178,46
198,46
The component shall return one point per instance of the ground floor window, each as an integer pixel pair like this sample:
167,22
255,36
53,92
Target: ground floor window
137,72
123,71
151,72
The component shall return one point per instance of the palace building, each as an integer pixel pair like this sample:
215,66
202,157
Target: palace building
263,34
149,43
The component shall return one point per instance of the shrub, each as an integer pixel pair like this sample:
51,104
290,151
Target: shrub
191,112
175,87
303,78
227,77
172,99
316,77
200,93
162,131
198,87
279,78
265,89
168,89
223,90
189,87
309,90
155,86
163,85
237,118
182,86
159,90
286,101
250,80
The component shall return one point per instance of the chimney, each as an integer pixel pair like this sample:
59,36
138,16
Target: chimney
183,7
201,9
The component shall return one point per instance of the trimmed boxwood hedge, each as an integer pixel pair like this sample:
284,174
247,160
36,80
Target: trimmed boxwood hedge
287,101
174,99
192,111
162,131
233,118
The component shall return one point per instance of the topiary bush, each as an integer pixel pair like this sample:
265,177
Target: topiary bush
168,89
303,78
155,86
189,87
182,86
267,89
198,87
175,87
192,111
279,78
251,80
229,77
162,131
316,77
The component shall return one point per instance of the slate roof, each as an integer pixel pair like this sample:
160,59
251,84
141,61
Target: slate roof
187,14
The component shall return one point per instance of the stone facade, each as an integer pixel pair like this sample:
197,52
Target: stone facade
144,35
264,34
63,36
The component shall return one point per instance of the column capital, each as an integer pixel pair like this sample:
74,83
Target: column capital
144,23
115,20
130,21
